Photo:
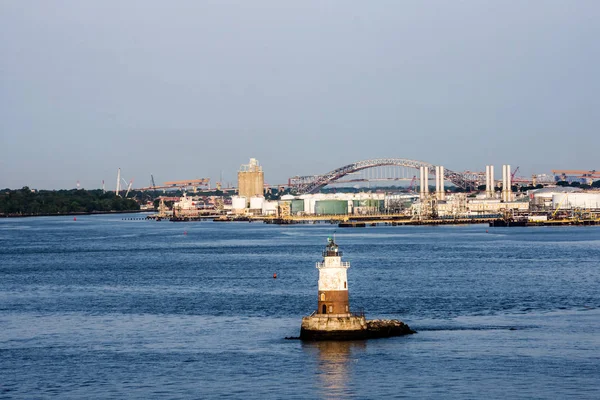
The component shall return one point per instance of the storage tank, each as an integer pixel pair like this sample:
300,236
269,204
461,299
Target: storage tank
549,192
269,207
309,205
238,202
331,207
297,206
256,202
576,200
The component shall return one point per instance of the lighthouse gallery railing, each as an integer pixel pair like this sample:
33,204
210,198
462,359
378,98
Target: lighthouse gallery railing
321,264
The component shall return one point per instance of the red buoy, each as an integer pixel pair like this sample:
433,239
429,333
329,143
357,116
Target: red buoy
74,218
185,232
275,275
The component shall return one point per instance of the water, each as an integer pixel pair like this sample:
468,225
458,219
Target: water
108,308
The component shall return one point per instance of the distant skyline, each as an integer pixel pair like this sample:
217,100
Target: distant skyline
192,89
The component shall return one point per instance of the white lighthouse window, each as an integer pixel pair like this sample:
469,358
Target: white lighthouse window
330,309
322,296
346,308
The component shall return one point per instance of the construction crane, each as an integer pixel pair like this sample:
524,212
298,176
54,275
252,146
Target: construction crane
564,174
152,180
412,184
512,176
129,188
592,172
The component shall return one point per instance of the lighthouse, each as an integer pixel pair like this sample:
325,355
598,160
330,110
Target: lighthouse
333,281
333,320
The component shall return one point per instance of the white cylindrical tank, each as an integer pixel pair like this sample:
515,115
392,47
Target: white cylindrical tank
269,207
309,205
576,200
256,202
238,202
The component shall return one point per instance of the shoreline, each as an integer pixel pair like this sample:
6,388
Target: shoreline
73,213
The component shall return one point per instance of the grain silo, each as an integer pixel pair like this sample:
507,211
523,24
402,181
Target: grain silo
250,180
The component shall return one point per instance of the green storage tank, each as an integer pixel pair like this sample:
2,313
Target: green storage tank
331,207
297,206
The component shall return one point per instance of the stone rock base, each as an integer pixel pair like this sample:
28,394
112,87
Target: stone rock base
380,328
341,327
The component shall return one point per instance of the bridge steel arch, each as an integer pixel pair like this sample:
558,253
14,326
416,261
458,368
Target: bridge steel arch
321,181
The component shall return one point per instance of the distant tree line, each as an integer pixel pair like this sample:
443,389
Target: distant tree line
595,184
28,202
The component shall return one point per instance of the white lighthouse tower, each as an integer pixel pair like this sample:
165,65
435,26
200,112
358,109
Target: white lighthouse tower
333,320
333,282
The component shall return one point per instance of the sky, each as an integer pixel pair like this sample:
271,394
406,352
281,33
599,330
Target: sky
194,88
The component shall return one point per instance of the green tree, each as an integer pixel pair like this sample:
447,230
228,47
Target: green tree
26,202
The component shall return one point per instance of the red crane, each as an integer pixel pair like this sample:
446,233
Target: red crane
412,183
512,176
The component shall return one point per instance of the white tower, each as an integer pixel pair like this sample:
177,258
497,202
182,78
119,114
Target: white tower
333,281
439,183
506,183
424,175
118,181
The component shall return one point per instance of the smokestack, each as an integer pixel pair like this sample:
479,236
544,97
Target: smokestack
442,192
503,182
421,182
506,190
118,181
492,182
437,182
509,184
426,179
487,181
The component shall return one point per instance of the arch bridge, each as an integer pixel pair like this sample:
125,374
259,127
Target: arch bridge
312,184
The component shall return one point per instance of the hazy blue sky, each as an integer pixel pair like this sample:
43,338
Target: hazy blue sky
187,89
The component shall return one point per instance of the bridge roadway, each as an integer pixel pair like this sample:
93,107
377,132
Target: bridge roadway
312,184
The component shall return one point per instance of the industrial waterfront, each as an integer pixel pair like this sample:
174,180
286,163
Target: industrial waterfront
363,193
456,198
127,308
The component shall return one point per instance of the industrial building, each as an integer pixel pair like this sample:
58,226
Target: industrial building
251,181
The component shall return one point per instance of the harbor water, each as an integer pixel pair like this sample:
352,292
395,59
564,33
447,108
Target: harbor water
106,307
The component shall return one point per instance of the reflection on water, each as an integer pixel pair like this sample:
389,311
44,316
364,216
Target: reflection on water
334,361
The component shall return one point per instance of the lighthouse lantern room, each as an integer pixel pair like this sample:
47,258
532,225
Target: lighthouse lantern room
333,282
